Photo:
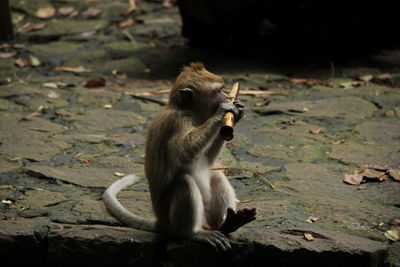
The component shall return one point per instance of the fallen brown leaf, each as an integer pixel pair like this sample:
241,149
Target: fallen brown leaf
28,27
354,179
53,95
365,78
312,219
76,70
86,160
6,201
383,76
350,85
309,82
395,174
65,11
92,13
126,23
393,234
374,167
37,113
21,62
19,46
95,82
372,174
315,130
73,14
55,85
34,61
308,236
7,55
338,142
394,222
114,135
46,12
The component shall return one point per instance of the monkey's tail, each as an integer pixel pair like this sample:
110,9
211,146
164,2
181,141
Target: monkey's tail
115,208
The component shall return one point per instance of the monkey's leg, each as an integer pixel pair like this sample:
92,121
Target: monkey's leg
186,214
222,213
222,198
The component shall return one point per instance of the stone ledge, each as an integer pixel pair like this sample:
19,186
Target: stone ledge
38,243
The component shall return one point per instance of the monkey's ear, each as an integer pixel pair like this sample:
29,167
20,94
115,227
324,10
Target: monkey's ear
185,96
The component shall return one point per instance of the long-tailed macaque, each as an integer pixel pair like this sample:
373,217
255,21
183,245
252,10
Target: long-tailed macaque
182,144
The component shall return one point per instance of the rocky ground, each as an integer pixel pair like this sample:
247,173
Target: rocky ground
78,87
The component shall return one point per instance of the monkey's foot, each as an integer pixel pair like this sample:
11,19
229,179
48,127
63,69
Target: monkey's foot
235,220
215,238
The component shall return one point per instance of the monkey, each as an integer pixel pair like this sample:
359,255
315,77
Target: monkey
182,143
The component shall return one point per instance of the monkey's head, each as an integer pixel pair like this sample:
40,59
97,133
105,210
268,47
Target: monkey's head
198,90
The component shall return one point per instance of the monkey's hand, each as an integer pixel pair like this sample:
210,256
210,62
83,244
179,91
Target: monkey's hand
240,106
229,107
215,238
236,219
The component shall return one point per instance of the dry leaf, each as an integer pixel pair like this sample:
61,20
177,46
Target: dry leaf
86,160
21,62
55,85
6,201
365,78
92,13
126,23
371,174
7,55
50,85
395,174
394,222
114,135
37,113
75,70
309,82
354,179
315,130
53,95
119,174
308,236
374,166
338,142
28,27
65,11
350,85
393,234
383,76
74,14
119,75
312,219
19,46
46,12
107,106
95,82
34,61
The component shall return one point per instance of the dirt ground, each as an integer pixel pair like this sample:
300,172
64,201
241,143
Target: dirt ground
78,87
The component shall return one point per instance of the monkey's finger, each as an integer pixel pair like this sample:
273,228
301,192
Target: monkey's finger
222,243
